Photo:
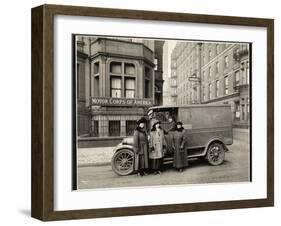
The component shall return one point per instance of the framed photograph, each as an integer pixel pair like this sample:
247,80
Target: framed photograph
141,112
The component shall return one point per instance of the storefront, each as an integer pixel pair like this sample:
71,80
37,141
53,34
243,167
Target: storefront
115,117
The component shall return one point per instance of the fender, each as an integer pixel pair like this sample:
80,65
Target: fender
219,139
124,146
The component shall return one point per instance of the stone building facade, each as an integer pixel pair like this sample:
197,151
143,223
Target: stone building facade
213,73
118,80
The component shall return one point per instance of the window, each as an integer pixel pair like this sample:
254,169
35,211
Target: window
116,87
247,73
244,74
210,91
130,87
174,82
226,62
130,127
204,60
217,49
243,111
236,54
156,64
195,95
248,109
96,128
226,85
210,54
244,46
96,67
129,69
114,128
204,93
147,90
96,86
210,72
80,82
217,67
204,74
115,67
237,78
217,88
237,110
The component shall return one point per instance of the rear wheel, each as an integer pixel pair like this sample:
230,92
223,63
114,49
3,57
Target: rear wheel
123,162
215,154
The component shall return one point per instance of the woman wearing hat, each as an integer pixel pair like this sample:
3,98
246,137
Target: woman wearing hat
141,146
172,123
180,154
157,147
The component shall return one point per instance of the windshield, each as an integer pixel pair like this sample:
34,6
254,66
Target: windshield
163,115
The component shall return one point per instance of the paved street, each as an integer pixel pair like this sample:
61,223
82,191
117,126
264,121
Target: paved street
235,169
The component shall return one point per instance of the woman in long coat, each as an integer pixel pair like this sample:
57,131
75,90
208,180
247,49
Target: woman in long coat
180,154
170,132
141,145
157,147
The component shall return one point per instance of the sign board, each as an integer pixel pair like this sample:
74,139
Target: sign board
193,79
108,101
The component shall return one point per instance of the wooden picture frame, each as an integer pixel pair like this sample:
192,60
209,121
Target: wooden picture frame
43,120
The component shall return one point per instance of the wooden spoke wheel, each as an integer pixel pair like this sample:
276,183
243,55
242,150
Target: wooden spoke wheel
215,154
123,162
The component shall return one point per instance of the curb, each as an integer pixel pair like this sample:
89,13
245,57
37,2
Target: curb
81,165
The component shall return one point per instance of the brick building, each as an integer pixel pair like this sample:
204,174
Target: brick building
212,73
117,80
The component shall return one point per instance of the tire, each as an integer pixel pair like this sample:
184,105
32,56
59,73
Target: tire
215,154
123,162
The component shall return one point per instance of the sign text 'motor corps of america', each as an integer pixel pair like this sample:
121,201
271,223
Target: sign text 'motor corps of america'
104,101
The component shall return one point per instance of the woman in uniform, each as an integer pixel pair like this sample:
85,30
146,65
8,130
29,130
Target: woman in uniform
141,145
157,147
180,154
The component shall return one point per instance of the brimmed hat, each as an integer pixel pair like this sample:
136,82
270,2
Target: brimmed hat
155,123
141,120
179,123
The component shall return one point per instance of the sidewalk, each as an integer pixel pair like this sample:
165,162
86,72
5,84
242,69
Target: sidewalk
94,156
100,156
241,134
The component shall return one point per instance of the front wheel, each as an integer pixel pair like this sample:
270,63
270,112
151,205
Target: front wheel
215,154
123,162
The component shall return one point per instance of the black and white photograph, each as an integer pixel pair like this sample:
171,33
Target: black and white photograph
160,112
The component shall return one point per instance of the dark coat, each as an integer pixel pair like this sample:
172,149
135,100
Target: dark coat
180,153
141,145
172,126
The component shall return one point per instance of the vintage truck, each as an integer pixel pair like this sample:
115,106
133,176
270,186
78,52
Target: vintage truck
207,130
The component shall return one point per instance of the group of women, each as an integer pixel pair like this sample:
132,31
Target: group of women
152,151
